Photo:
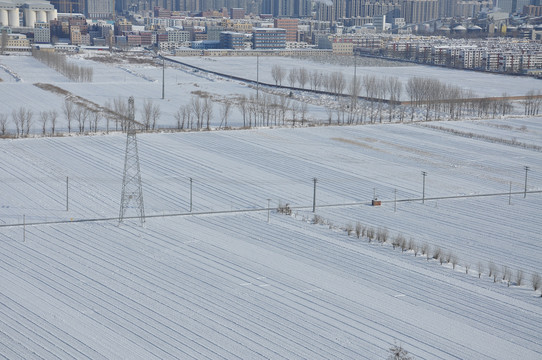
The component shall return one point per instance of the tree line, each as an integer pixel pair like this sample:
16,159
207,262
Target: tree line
60,63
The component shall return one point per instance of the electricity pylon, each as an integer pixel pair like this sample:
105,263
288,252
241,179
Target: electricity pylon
132,191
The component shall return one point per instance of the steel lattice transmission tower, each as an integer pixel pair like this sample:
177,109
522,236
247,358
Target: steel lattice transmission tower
132,191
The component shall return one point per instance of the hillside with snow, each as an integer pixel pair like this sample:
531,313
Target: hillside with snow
234,277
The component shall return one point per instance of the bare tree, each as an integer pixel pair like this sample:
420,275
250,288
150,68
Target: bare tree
283,107
354,89
197,109
302,77
68,110
395,88
81,114
95,117
180,117
294,107
22,118
146,113
44,119
226,107
314,79
3,123
188,112
53,116
243,107
277,73
292,77
303,110
208,111
120,108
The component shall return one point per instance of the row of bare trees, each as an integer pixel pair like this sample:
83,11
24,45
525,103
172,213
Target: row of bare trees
399,241
334,82
440,99
532,102
256,110
59,63
81,118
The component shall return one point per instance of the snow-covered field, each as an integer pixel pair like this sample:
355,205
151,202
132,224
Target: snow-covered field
223,281
144,82
482,84
235,286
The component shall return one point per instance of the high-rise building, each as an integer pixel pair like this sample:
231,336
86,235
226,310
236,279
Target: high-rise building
100,9
290,25
290,8
419,11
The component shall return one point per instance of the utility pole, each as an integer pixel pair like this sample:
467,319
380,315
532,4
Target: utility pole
24,228
423,193
257,77
163,76
314,196
525,191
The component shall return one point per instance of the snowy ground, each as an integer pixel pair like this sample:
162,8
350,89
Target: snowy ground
233,285
482,84
144,82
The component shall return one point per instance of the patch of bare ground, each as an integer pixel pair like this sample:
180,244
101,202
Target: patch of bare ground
91,106
122,59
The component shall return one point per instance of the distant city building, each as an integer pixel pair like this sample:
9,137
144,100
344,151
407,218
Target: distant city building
268,38
178,36
419,11
33,11
237,13
232,40
290,25
290,8
100,9
42,33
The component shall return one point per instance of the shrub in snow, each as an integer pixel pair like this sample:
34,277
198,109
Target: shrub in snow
382,235
428,254
349,229
370,234
506,274
480,269
453,260
358,229
317,219
495,274
424,248
437,253
536,281
519,278
398,353
414,247
397,241
403,244
492,269
467,267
